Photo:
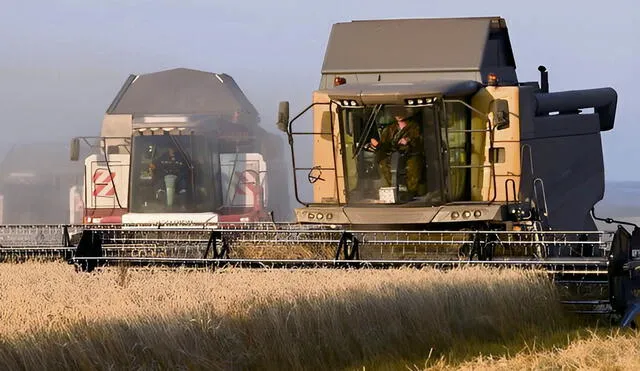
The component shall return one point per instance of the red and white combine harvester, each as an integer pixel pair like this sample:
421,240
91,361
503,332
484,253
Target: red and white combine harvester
182,147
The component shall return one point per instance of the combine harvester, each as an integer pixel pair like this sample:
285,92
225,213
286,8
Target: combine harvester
180,147
488,171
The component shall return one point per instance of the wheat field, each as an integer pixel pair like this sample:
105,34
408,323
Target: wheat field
606,350
54,318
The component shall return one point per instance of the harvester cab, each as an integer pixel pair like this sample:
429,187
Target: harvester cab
183,171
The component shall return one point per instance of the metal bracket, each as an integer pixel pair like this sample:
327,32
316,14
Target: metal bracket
90,246
66,242
349,245
483,248
220,251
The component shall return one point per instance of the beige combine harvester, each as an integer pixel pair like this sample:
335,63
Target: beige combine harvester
426,151
492,152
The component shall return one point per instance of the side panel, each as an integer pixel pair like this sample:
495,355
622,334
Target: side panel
567,176
76,206
324,147
506,153
116,125
244,179
100,196
274,149
114,128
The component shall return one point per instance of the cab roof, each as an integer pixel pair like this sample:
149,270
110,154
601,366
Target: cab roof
181,91
421,45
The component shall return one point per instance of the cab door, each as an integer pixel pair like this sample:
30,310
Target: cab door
436,154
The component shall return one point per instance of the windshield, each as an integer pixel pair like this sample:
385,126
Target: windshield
396,154
173,173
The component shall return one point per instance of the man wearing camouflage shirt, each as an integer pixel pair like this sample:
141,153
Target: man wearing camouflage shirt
404,136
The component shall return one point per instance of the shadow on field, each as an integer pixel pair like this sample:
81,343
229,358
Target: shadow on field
351,328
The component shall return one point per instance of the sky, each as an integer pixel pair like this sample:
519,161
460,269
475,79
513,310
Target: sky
62,62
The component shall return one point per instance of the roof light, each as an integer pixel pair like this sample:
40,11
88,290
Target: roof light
163,119
337,81
418,101
492,79
345,102
354,103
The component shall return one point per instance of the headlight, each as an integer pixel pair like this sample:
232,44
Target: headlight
466,214
477,213
455,215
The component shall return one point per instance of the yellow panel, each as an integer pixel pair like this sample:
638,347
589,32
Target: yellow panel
479,143
323,152
482,185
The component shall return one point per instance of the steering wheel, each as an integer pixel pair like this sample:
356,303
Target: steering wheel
314,178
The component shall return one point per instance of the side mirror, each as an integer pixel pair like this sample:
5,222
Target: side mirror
75,149
283,116
500,110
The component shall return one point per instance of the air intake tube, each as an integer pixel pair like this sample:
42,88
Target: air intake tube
603,101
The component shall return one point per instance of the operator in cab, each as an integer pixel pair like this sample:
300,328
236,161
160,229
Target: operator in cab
171,174
403,136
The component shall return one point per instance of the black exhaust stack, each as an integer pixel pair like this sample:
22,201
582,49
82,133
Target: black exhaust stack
544,79
602,100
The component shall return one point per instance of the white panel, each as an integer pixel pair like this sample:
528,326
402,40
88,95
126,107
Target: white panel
100,180
76,207
244,175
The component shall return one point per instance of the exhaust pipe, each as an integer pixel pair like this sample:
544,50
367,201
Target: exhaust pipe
544,79
603,101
